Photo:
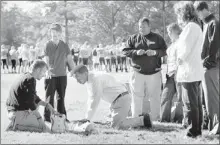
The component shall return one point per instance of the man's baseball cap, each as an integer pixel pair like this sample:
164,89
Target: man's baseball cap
56,27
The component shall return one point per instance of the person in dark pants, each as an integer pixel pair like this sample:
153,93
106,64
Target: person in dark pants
210,60
190,70
58,56
171,86
4,56
13,55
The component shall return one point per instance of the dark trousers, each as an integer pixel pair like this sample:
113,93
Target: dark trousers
170,89
13,62
211,96
205,113
191,96
58,85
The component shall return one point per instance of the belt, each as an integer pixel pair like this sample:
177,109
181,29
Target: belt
120,95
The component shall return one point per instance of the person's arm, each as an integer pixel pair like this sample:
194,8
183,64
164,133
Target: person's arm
187,41
32,98
163,47
213,37
130,50
95,94
70,62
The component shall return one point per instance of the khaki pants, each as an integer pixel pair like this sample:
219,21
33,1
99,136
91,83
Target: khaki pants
119,112
27,121
146,91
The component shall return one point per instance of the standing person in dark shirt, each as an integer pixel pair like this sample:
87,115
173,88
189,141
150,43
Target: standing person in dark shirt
146,49
23,101
210,57
58,57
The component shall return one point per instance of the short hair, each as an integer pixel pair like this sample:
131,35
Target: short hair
80,69
174,27
56,27
38,64
201,5
145,19
186,10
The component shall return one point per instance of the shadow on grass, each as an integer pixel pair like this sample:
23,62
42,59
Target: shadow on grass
211,137
161,128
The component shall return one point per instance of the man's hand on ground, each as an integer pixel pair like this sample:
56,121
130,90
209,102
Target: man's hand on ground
84,121
50,107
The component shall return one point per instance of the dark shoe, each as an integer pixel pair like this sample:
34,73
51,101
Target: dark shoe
67,121
189,134
147,121
47,120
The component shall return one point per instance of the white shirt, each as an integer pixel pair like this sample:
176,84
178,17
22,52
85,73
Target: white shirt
25,54
19,51
4,53
103,86
13,54
171,59
32,54
189,51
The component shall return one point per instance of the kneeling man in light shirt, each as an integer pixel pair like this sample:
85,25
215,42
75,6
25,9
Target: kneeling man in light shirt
101,85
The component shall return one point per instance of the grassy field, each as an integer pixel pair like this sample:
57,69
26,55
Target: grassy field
76,95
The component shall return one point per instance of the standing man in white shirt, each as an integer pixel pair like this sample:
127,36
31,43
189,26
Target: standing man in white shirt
190,70
101,85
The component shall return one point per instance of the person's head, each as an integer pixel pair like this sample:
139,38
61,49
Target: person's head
38,44
3,46
25,46
12,47
39,69
31,47
185,12
202,9
81,74
173,31
144,26
56,32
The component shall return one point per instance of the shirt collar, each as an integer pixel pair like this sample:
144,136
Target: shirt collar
209,18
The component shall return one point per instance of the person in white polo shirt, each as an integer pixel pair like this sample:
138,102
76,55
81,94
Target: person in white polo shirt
102,86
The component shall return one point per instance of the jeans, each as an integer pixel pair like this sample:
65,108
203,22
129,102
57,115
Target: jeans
170,89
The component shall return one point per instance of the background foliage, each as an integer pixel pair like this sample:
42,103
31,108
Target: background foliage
106,22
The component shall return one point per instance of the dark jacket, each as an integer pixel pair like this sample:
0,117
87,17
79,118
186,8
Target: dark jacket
211,46
22,95
144,64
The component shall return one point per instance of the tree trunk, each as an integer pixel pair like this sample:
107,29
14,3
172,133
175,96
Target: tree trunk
164,29
66,25
113,24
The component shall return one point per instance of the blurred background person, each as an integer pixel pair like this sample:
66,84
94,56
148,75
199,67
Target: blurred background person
4,53
33,55
14,57
25,53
